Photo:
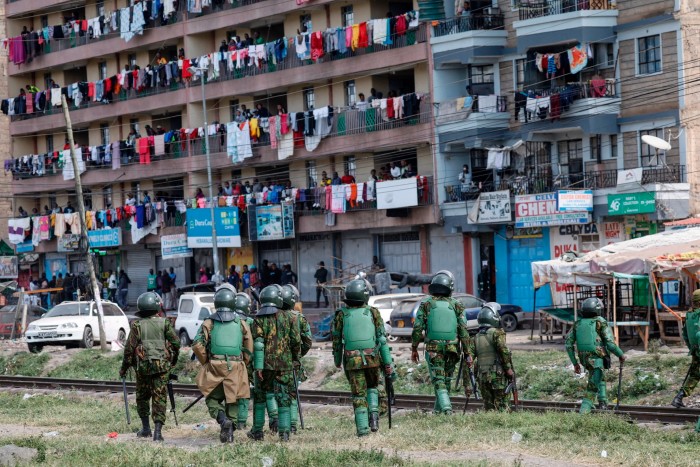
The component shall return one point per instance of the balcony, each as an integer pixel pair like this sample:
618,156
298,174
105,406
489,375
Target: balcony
542,183
592,106
247,80
562,21
351,131
459,41
459,124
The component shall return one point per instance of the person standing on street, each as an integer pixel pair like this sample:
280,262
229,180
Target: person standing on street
321,277
223,346
233,277
691,337
292,303
594,342
124,282
151,281
441,317
494,366
277,345
167,290
274,274
360,346
152,349
111,285
288,276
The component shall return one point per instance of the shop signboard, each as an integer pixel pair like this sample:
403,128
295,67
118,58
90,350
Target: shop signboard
492,207
275,222
631,203
25,247
175,246
199,232
574,200
68,243
105,238
541,211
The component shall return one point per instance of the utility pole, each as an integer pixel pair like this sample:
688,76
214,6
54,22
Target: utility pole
84,241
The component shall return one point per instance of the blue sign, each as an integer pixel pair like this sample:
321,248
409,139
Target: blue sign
24,247
104,238
228,228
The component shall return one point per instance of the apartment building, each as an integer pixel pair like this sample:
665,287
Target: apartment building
283,108
542,99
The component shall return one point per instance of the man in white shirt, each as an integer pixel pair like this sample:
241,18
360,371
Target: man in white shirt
112,286
130,200
465,181
395,171
361,104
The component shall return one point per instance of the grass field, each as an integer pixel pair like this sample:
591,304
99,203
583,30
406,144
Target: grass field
553,439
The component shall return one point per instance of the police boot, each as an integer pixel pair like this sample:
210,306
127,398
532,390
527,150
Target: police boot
586,406
258,422
226,433
444,401
361,421
157,436
242,414
285,423
272,411
603,405
145,431
373,406
678,400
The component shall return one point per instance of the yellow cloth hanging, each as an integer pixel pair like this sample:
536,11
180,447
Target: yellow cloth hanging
355,36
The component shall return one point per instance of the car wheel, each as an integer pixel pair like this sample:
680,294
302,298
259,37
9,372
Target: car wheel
184,339
35,348
88,340
121,337
509,322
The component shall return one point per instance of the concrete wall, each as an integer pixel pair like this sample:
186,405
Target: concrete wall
447,252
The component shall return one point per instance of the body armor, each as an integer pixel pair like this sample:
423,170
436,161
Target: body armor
587,339
486,354
153,338
358,329
226,338
442,322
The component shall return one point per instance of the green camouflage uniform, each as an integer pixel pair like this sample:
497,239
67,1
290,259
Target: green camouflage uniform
442,358
593,361
492,378
363,371
151,375
282,347
306,342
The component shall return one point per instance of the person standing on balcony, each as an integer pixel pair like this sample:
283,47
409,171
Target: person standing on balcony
361,103
347,178
465,13
336,179
395,171
465,181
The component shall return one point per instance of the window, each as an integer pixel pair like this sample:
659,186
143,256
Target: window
305,23
350,164
186,306
311,174
100,5
110,310
233,106
571,157
309,99
595,145
49,143
132,60
649,54
103,70
44,21
482,74
107,196
47,80
350,93
348,17
647,153
470,302
613,146
104,133
519,74
479,158
204,313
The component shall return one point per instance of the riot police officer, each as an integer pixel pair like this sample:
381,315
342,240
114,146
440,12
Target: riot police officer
691,337
223,346
594,342
492,358
360,345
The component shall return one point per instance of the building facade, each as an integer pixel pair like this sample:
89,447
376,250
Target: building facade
284,92
538,99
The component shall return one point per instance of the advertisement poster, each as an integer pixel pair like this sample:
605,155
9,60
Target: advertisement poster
574,200
541,211
493,207
8,267
175,246
199,232
274,222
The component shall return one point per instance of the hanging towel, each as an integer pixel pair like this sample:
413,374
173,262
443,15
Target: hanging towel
578,59
36,234
159,144
285,146
338,199
232,141
18,229
144,152
44,226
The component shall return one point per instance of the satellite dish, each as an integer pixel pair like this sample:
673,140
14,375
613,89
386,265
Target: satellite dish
656,142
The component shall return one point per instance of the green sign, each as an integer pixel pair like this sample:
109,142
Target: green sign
631,203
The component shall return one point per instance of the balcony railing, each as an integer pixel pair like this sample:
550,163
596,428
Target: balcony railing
313,203
466,24
346,122
411,37
530,185
459,109
530,10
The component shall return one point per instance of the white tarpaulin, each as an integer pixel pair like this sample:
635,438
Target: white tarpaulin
402,193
